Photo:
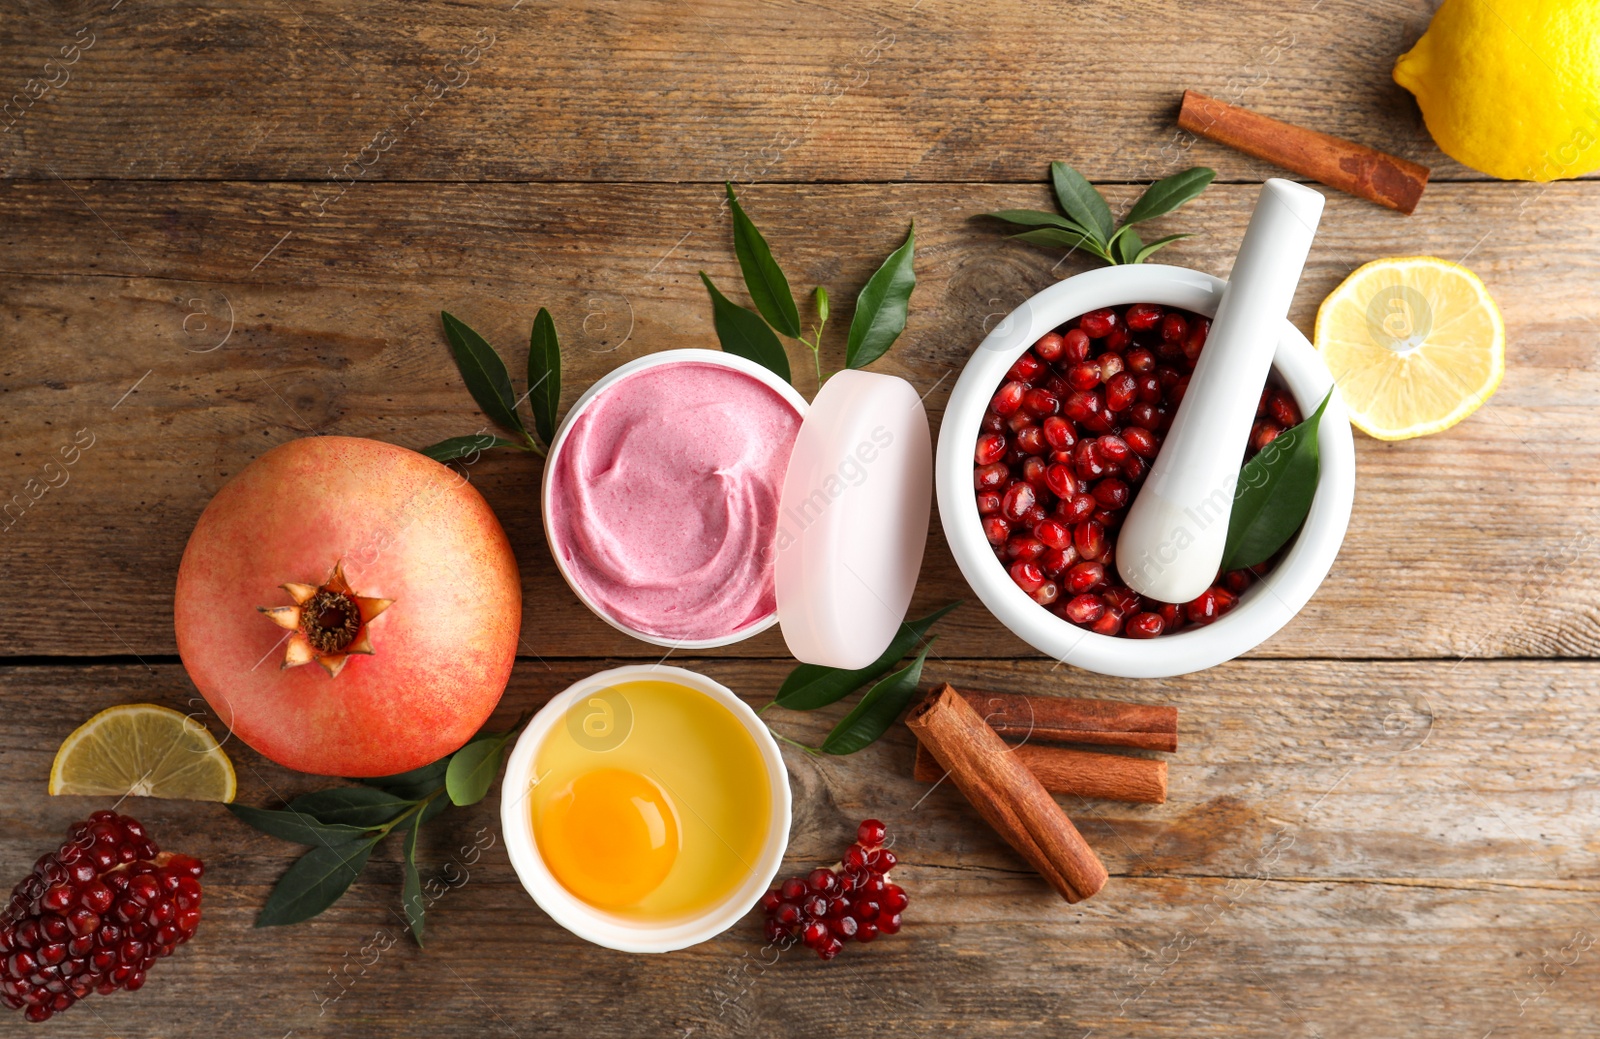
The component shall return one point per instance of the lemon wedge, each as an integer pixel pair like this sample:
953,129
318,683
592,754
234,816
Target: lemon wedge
143,750
1415,344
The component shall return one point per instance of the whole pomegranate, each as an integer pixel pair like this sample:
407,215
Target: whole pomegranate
349,607
94,916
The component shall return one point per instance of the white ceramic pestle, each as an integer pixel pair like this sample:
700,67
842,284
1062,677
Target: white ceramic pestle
1171,544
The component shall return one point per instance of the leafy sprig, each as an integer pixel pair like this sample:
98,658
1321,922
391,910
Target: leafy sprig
880,314
810,686
344,824
1085,221
490,385
1274,494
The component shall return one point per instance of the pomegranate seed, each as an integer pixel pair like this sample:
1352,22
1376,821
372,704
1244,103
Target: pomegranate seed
1059,479
822,881
1088,460
1076,509
1028,576
1058,432
1086,577
1033,473
1089,538
1119,337
1026,368
1110,365
1041,402
1167,377
1053,534
991,448
1141,317
1145,626
1025,549
770,900
843,926
1202,609
1226,600
996,529
871,833
992,422
1174,328
1133,468
1085,375
1179,388
1140,441
1112,448
1009,398
988,503
1084,406
1098,323
1282,410
1171,615
1263,433
889,924
1083,609
1110,623
1111,493
1120,391
990,477
1048,348
1054,561
1074,346
1030,440
1237,581
1147,388
1140,361
793,889
1046,593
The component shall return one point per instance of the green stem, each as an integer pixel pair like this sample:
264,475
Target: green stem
793,743
383,831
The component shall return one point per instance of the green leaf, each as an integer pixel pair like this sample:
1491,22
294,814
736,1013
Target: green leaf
1166,195
315,882
878,709
356,805
411,888
769,289
1126,245
1059,239
429,811
1080,201
544,375
473,768
1144,254
484,373
810,686
296,826
466,447
1038,218
881,307
1275,491
413,785
822,304
742,332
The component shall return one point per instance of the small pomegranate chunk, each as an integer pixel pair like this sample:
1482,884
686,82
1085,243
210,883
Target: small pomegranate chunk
855,899
94,916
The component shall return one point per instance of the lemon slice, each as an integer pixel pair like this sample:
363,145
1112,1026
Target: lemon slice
1415,344
143,750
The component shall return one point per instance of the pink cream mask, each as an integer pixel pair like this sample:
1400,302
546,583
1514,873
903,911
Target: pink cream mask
692,499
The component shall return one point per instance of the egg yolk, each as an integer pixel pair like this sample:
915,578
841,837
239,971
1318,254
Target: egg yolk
610,837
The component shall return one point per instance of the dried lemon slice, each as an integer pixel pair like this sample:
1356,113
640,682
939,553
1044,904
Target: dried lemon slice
143,750
1415,344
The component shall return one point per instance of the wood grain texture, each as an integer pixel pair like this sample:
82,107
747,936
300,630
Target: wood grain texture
1349,849
1476,542
797,90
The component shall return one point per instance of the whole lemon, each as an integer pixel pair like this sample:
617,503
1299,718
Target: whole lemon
1513,88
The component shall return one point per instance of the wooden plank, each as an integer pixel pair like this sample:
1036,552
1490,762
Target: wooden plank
1349,849
118,303
784,91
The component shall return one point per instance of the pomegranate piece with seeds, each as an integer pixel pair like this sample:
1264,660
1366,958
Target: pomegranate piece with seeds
829,906
1086,409
94,915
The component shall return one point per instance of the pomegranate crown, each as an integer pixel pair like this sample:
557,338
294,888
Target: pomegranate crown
328,623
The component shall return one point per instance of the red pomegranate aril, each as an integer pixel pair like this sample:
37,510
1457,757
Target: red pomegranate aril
871,833
1036,515
1084,406
1008,398
1028,576
1083,609
1086,576
1085,375
1058,432
1133,468
1048,348
1174,328
1146,390
1226,600
1076,509
1141,317
1236,581
1053,533
1074,346
1140,361
1282,410
1171,615
1110,622
991,448
1088,462
1145,626
1263,433
1179,389
1098,323
843,926
1040,402
1110,365
1111,493
770,900
1030,441
1089,538
988,503
1202,609
1140,441
1026,368
821,880
991,477
1112,448
1059,479
1033,473
1046,593
1015,424
1120,391
815,934
793,889
1025,549
1119,338
1123,598
992,422
996,529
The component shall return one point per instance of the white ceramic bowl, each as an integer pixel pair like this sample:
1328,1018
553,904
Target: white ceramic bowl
609,929
1265,607
716,357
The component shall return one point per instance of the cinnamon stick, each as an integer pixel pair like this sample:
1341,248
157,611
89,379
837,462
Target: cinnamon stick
1008,796
1111,777
1064,719
1354,168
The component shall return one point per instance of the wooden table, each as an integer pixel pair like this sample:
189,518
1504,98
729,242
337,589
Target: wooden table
232,224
